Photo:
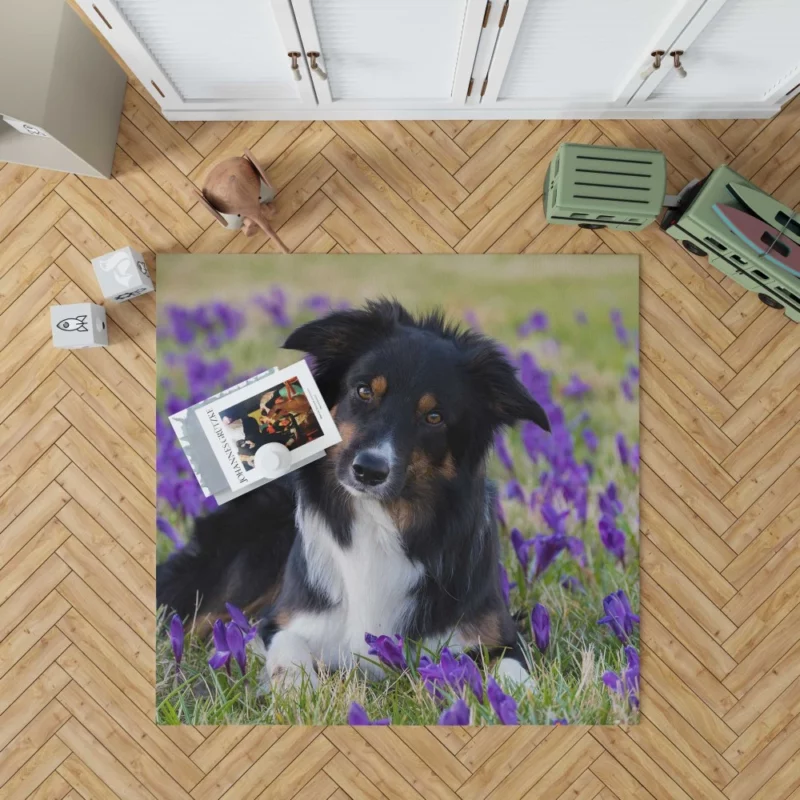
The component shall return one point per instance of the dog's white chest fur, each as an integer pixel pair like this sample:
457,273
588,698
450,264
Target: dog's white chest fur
370,585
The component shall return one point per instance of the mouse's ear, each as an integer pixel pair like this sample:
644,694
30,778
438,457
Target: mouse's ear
335,341
256,166
213,211
507,399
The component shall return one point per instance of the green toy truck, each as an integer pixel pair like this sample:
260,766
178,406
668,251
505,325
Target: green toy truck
605,187
700,230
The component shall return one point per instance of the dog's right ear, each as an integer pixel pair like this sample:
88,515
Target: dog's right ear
337,340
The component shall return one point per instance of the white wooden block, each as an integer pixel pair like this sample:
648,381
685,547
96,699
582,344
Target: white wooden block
78,325
122,274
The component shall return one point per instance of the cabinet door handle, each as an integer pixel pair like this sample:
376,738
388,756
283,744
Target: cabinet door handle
657,56
295,65
315,68
676,61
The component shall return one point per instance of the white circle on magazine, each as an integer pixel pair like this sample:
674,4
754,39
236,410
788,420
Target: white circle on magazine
273,460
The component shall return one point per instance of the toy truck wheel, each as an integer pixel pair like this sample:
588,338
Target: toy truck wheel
769,301
693,248
592,226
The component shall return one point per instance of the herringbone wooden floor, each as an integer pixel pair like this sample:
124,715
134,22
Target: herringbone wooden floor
720,475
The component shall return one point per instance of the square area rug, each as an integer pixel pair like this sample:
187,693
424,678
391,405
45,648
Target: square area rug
451,561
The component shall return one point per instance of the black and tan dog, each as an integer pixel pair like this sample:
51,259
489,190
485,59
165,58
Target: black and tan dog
395,530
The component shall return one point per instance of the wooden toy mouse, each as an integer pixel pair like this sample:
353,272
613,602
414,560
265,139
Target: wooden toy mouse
238,194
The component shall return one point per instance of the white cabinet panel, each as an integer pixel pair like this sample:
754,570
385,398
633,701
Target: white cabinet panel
207,52
386,51
578,51
749,51
231,49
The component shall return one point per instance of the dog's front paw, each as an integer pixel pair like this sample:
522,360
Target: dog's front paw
511,674
282,677
288,664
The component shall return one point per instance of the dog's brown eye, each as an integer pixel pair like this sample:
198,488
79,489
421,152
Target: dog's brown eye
364,391
433,418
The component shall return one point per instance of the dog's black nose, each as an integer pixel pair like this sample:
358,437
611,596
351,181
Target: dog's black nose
370,468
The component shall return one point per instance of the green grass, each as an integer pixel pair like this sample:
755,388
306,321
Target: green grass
502,292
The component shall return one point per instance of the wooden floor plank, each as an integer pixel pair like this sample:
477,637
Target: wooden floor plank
437,143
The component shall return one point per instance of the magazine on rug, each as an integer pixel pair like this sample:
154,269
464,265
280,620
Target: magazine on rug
222,435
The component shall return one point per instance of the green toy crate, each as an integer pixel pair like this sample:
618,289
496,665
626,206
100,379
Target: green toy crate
696,225
599,187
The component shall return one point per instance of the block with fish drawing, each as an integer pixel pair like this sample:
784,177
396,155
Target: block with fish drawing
122,275
78,325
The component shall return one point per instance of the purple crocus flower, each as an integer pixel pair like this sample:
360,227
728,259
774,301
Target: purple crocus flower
560,721
176,638
521,547
169,531
503,455
471,318
357,715
240,620
619,616
555,520
472,676
576,387
536,323
633,461
504,705
610,504
274,306
546,549
235,639
622,449
433,677
572,584
626,684
388,649
514,491
181,327
540,625
221,657
627,390
580,317
452,670
631,675
589,439
190,496
318,303
613,538
576,549
457,714
619,328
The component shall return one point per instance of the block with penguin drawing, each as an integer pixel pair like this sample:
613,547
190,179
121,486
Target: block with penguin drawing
78,325
122,275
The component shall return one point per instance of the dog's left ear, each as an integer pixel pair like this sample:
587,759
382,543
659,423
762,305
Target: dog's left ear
508,399
337,340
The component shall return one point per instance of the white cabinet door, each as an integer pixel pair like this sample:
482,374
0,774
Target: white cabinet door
390,54
734,52
208,54
563,54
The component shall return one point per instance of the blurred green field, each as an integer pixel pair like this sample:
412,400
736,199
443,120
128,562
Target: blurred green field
500,292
